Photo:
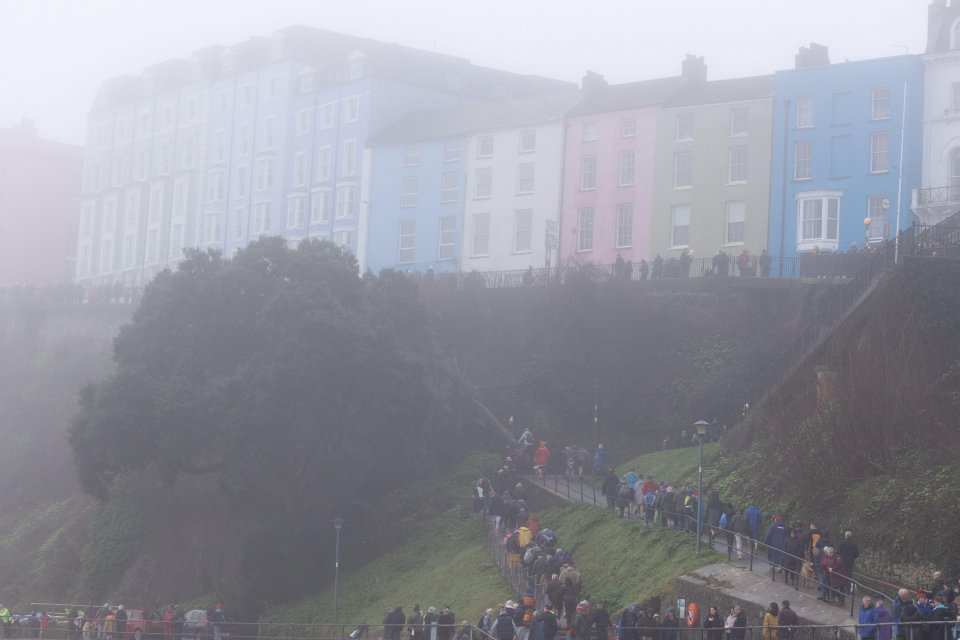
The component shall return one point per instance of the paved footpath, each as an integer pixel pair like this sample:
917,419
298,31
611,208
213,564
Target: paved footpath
733,577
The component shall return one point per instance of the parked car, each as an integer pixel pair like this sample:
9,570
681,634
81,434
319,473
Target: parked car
141,623
196,626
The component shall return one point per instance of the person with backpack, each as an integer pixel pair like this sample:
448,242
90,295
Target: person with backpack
582,621
503,627
629,623
569,601
739,529
415,623
536,628
624,498
609,487
523,615
551,625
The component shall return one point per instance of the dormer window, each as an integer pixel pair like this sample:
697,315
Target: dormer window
306,81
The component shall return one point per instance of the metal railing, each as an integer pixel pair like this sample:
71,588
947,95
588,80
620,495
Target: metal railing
748,549
519,576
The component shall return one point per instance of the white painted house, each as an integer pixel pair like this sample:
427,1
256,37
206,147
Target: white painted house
939,196
514,185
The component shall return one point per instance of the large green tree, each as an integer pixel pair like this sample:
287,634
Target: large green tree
298,388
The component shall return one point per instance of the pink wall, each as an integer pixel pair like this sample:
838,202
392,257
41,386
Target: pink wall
608,193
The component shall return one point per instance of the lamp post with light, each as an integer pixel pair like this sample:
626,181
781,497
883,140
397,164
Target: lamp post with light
337,524
701,429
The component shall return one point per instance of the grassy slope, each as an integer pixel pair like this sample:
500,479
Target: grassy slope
448,564
445,562
622,562
676,466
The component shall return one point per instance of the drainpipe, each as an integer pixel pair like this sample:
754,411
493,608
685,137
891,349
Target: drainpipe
903,130
783,181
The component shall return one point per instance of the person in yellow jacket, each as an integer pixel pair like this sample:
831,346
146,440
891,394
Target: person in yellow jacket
5,620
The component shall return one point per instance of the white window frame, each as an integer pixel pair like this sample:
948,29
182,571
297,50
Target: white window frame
407,242
243,180
343,238
346,199
522,230
324,163
737,165
320,206
244,138
351,109
176,240
624,230
585,226
327,115
628,167
527,142
485,146
303,122
409,191
588,172
296,211
825,241
628,128
526,177
590,132
269,132
680,226
261,217
880,103
734,230
880,152
411,155
739,121
484,183
239,223
876,232
447,240
300,169
802,159
349,164
450,186
451,151
264,174
805,112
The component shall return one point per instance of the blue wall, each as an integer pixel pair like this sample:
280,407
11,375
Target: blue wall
840,139
386,213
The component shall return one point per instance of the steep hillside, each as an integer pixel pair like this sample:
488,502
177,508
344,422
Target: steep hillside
864,436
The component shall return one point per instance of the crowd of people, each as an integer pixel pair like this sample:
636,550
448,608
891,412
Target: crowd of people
795,552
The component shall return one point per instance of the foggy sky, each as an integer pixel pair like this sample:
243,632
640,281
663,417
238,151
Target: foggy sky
57,52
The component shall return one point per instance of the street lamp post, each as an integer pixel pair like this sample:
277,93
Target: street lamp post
701,427
337,524
596,401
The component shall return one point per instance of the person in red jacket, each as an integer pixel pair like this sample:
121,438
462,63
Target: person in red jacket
541,457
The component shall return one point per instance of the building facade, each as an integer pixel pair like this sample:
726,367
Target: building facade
39,217
262,138
712,169
608,170
938,195
847,146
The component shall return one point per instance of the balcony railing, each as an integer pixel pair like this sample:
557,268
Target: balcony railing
933,196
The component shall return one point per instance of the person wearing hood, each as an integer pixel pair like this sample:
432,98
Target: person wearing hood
787,619
629,623
582,621
670,625
551,626
774,539
884,621
792,556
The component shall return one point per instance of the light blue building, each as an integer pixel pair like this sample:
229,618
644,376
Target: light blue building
845,152
418,182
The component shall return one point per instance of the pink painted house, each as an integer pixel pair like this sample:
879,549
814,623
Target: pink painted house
608,167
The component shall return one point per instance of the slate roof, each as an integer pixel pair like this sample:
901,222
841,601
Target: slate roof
632,95
720,91
462,121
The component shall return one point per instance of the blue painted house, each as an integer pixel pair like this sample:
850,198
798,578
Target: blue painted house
836,173
418,172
